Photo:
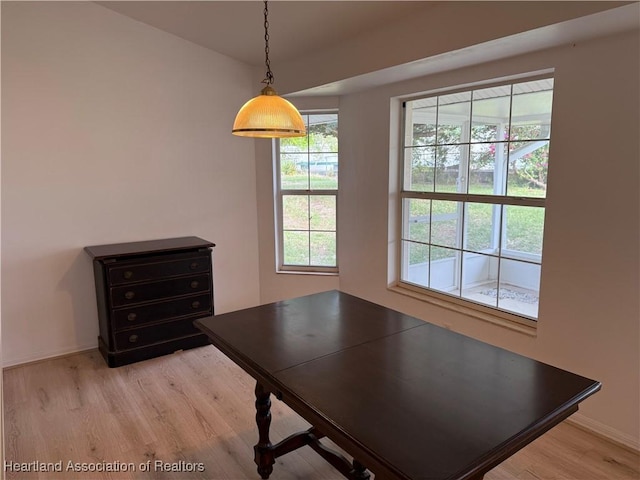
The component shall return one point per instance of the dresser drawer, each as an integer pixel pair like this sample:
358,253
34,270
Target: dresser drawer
152,271
140,337
137,316
146,292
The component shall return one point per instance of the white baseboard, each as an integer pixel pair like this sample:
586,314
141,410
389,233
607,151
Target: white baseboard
604,431
43,356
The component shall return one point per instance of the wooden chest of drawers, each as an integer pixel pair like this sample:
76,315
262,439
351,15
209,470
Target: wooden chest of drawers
148,295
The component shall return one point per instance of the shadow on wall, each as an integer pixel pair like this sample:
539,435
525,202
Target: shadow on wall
78,283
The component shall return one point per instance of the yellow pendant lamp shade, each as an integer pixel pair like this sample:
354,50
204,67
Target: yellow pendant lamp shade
268,116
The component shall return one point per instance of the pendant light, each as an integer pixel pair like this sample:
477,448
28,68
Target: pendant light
268,115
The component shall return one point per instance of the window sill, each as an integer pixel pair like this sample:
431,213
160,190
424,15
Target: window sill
468,311
307,272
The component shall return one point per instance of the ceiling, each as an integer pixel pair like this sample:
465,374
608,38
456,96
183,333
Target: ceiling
236,28
301,31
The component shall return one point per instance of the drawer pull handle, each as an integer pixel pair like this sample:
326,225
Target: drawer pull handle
129,295
133,338
195,304
194,284
128,274
131,317
193,266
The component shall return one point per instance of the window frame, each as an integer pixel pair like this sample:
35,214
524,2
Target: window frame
486,312
279,194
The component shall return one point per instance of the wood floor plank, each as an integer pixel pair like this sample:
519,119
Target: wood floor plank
194,410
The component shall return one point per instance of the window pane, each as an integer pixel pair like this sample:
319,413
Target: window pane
296,248
415,263
519,287
419,169
323,132
448,160
481,227
295,212
479,277
528,164
296,144
417,219
491,114
323,171
294,168
323,249
445,223
533,86
421,122
454,117
444,270
531,115
487,169
322,212
523,231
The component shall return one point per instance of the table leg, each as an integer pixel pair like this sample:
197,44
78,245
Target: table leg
266,453
264,456
360,471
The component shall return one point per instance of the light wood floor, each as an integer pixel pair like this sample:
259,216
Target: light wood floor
197,407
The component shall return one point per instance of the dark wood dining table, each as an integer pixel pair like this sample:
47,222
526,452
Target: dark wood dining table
405,399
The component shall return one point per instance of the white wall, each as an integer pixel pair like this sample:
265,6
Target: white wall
112,131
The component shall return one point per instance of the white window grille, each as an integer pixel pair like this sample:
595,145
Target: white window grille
474,175
307,196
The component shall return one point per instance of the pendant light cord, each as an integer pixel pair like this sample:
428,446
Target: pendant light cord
269,76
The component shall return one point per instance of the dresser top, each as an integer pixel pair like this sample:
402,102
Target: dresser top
99,252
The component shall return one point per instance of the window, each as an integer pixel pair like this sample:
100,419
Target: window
474,178
307,193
